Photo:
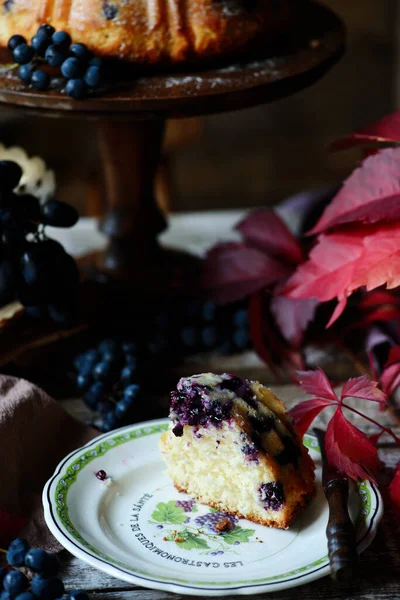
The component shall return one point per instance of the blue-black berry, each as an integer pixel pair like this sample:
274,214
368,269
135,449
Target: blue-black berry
23,54
48,588
25,72
55,55
77,89
40,42
128,374
93,77
14,41
16,552
78,595
80,51
95,62
40,80
71,68
46,29
102,371
61,39
41,562
25,596
15,582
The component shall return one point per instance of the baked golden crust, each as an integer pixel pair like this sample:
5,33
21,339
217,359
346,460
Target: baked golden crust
151,31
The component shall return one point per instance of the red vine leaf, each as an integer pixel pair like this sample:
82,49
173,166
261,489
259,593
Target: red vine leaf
349,450
293,317
10,527
394,490
370,194
256,322
305,412
265,230
317,384
364,388
386,130
232,271
346,260
390,378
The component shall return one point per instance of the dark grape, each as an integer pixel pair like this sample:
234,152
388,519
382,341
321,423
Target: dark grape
61,39
16,552
48,588
209,310
128,374
122,408
102,371
15,582
71,68
8,278
189,336
77,89
83,381
129,347
46,29
104,407
108,346
64,313
25,596
23,54
42,562
108,422
40,42
25,72
93,77
241,318
14,41
10,174
81,52
131,391
27,208
59,214
78,595
209,337
95,394
95,62
36,271
40,80
55,55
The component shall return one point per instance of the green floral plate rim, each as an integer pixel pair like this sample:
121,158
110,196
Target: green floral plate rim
55,501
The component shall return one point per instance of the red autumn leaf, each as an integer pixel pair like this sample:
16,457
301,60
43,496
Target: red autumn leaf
378,298
347,260
394,356
10,527
370,194
349,450
293,317
305,412
232,271
257,322
394,490
265,230
317,384
386,130
364,388
390,378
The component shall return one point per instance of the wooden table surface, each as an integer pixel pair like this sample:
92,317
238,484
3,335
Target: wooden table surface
379,571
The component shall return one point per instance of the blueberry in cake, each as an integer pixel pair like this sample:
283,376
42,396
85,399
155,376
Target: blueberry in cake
231,444
152,31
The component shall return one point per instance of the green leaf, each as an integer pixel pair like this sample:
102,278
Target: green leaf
239,534
194,508
168,512
191,541
213,510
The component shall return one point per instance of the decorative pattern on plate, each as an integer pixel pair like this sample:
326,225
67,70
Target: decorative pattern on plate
140,529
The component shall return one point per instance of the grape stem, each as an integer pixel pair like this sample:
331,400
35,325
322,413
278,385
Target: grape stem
3,551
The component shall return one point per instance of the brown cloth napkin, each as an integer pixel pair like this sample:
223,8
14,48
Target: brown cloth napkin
35,434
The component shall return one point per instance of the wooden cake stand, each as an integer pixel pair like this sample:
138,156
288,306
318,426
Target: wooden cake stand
131,111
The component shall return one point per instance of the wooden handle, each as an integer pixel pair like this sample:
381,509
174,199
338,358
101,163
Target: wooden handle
340,532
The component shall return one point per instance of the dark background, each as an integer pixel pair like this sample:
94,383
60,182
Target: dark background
257,156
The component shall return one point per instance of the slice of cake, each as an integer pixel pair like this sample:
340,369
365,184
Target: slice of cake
231,444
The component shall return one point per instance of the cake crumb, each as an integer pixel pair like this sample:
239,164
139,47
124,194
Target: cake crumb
223,524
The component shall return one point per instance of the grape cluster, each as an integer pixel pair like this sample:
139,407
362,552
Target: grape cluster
187,505
81,71
108,376
211,519
33,268
42,567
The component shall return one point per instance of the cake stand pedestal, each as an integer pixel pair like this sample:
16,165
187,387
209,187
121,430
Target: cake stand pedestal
130,114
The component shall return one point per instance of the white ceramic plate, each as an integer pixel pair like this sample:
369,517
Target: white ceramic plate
131,527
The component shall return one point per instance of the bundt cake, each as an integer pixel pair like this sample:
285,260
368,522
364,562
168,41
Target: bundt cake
151,31
231,445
